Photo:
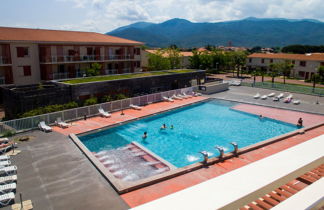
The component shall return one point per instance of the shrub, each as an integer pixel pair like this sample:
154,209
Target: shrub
48,109
90,101
120,96
106,98
8,133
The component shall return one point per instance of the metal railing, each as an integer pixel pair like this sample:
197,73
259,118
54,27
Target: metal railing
70,59
286,87
29,123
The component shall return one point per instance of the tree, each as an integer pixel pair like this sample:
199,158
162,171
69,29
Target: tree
320,72
174,56
94,70
255,73
239,60
274,71
286,68
195,60
157,61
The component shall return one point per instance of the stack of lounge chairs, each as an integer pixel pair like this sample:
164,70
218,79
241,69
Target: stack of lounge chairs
8,179
135,107
167,99
5,145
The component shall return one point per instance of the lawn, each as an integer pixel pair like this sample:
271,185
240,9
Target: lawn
125,76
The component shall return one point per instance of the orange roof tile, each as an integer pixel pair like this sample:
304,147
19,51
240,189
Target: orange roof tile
311,57
57,36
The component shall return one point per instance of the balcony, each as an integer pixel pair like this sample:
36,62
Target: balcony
2,80
5,61
84,58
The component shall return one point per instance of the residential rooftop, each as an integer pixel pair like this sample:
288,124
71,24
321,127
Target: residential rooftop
165,54
287,56
8,34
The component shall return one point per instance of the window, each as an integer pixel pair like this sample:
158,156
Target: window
22,52
137,64
322,63
27,70
137,51
89,51
301,73
271,60
262,60
293,62
250,60
302,63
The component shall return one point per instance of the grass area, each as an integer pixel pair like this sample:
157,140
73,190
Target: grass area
287,87
125,76
311,86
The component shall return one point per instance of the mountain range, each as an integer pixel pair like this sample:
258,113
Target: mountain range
249,32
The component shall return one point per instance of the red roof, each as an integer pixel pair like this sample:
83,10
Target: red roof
286,56
58,36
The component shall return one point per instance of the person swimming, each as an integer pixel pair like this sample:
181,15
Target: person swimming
171,127
163,127
144,135
300,122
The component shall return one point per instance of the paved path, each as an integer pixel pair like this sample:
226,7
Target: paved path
82,126
280,114
54,174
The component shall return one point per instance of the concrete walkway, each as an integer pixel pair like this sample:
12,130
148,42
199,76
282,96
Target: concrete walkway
54,174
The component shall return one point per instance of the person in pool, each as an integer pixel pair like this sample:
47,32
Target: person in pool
171,127
144,135
300,122
163,126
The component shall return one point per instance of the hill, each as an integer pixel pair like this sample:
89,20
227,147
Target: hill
248,32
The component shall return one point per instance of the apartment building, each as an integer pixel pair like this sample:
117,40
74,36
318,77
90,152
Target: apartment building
30,56
305,65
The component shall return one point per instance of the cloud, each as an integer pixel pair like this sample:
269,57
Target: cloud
105,15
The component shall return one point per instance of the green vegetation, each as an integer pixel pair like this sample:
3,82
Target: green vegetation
94,70
164,59
217,60
8,133
48,109
123,76
90,101
302,49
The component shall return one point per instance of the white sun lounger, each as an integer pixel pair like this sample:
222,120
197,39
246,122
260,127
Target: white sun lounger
42,126
103,113
276,98
281,95
135,107
264,97
296,102
8,170
167,99
183,96
257,96
7,198
8,179
188,96
176,97
5,163
4,157
196,94
271,94
61,123
236,83
6,149
8,188
4,140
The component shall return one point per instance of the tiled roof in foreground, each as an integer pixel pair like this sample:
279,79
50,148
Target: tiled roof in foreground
59,36
310,56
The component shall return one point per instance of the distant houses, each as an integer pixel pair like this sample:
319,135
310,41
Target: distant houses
305,65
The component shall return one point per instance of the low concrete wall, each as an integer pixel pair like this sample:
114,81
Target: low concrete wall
214,87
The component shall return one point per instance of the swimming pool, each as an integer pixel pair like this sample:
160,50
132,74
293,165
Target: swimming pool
197,127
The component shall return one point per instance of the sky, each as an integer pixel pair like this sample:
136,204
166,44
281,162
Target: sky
105,15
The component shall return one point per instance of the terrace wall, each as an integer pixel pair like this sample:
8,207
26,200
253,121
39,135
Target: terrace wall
20,99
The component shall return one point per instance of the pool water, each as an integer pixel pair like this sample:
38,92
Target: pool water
196,128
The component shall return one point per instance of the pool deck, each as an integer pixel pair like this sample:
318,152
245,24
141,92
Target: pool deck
54,174
98,122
